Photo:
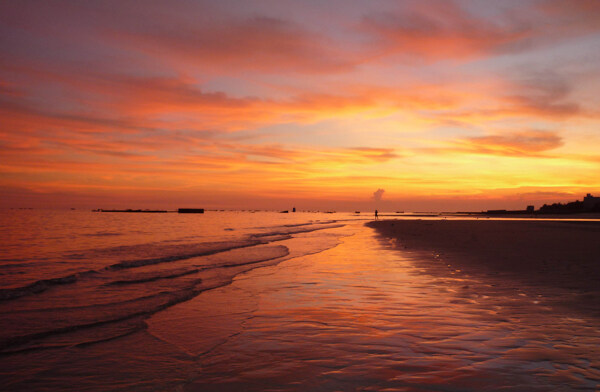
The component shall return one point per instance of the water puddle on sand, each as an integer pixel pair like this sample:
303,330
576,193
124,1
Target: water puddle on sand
362,316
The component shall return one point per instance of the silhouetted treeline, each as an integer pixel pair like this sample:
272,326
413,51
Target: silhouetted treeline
568,208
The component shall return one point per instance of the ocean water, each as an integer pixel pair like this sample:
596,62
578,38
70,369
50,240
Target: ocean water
66,273
265,301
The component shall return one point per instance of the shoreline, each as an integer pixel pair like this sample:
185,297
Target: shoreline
554,254
483,215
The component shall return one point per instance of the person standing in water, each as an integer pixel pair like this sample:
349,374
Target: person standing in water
376,215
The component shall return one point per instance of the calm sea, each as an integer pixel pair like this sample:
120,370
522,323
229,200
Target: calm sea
67,271
234,301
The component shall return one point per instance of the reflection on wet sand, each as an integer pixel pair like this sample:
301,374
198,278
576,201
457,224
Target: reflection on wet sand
344,308
364,316
558,257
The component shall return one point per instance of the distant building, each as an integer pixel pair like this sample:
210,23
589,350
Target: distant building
530,209
590,201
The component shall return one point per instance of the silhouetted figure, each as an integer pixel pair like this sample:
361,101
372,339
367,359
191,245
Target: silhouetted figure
294,209
376,215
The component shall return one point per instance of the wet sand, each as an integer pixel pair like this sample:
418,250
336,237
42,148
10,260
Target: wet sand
555,254
364,316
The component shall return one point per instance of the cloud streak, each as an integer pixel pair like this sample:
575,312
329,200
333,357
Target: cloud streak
441,30
525,143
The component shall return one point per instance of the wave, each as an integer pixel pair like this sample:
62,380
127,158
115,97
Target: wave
102,234
114,298
208,248
140,307
202,249
309,223
165,254
153,277
36,287
48,327
259,255
299,224
288,230
8,263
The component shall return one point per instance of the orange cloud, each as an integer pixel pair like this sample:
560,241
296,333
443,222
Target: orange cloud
295,100
376,154
524,143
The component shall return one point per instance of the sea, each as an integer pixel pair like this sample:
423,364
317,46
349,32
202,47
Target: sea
265,301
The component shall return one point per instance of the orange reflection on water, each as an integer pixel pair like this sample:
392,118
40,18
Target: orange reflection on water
360,316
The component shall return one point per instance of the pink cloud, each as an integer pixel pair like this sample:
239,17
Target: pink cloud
442,30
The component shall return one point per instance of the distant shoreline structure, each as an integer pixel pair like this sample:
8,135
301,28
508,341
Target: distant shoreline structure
131,210
588,204
180,210
191,210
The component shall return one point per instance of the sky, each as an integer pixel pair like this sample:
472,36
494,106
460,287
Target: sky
344,105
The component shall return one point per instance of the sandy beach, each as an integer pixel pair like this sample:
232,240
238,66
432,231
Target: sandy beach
555,254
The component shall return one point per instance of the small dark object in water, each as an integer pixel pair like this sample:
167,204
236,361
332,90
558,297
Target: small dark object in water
191,210
132,210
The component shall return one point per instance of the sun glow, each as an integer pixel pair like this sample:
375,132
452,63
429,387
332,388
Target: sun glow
438,103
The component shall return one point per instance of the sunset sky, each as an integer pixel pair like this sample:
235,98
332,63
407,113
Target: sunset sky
439,105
